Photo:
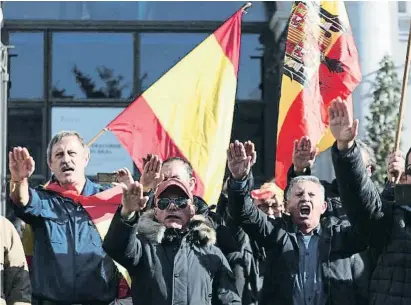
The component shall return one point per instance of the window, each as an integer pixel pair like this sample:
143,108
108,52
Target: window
25,128
161,51
92,65
131,10
26,65
248,124
249,75
402,6
107,154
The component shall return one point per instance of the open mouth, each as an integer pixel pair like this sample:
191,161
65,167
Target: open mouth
67,169
305,210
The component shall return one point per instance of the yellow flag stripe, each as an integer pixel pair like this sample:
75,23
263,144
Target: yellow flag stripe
201,112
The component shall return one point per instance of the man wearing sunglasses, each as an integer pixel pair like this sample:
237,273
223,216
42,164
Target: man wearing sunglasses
168,250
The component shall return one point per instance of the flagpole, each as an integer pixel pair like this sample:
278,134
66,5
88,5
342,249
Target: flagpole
246,6
403,94
97,136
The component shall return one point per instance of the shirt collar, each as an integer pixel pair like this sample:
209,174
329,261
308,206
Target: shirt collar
316,231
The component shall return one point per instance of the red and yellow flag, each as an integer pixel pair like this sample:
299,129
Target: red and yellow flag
188,112
320,64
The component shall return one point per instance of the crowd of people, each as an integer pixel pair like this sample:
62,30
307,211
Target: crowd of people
314,243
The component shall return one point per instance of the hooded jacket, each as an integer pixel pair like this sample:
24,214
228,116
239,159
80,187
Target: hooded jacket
169,266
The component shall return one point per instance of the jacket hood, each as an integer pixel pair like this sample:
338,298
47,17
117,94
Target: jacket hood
200,231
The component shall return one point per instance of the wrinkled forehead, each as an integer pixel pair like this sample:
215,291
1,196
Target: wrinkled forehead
68,143
175,169
305,187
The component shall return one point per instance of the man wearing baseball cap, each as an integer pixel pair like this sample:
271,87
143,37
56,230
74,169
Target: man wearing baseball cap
169,251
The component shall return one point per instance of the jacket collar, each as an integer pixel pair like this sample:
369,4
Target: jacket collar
200,231
90,188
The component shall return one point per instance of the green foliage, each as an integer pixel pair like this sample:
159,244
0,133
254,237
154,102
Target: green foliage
383,117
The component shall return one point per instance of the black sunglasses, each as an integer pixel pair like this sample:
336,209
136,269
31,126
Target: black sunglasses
163,203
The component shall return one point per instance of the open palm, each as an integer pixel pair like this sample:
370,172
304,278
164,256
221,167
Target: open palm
21,164
241,157
342,124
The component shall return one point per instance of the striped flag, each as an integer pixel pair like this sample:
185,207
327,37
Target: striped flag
188,112
320,64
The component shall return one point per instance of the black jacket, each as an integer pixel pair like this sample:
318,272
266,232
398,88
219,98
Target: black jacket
385,226
278,236
168,268
249,259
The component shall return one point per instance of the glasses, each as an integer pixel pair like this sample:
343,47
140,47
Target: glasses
164,203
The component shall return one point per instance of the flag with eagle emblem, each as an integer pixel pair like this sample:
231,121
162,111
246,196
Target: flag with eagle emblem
320,64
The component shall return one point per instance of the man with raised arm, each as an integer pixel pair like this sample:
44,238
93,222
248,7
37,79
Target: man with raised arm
68,265
308,260
385,225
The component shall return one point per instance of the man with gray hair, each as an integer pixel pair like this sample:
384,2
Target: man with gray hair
308,258
68,264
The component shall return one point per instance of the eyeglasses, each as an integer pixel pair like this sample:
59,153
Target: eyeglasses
163,203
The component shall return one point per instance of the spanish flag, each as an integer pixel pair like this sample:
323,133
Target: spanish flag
320,64
188,112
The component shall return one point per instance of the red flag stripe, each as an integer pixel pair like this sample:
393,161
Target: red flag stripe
146,139
229,36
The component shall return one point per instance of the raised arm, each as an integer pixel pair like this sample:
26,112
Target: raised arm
358,193
121,242
241,208
21,166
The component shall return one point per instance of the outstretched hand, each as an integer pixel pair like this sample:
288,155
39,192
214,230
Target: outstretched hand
152,176
303,154
21,164
133,199
240,158
343,127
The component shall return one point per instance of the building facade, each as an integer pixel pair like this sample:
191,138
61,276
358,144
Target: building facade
76,65
379,28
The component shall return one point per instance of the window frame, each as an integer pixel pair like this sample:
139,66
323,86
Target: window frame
404,16
48,27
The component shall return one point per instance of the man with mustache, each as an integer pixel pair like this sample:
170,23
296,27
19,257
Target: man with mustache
308,256
69,265
168,250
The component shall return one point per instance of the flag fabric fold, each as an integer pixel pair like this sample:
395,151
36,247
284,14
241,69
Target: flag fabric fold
188,112
101,208
320,64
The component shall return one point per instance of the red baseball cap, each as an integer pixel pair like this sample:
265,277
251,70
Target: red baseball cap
173,182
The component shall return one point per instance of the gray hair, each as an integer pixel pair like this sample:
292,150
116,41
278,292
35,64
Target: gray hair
59,136
299,179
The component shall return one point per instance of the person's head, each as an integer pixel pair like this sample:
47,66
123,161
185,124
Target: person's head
67,157
269,198
306,202
368,157
174,203
180,168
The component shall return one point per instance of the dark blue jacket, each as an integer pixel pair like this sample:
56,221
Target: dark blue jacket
69,264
